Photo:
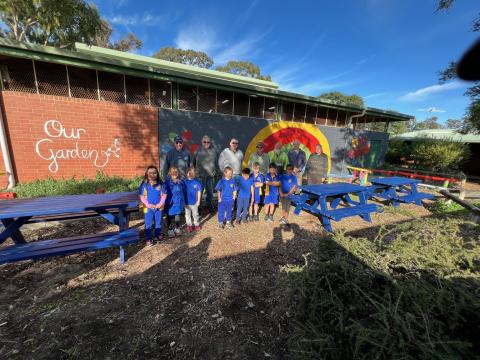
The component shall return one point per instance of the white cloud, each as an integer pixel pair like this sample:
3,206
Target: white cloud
424,93
371,96
432,109
197,37
141,19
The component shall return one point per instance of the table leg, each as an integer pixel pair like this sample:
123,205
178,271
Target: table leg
414,192
362,197
122,219
327,225
122,255
12,229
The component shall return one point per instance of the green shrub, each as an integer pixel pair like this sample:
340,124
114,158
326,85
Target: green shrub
439,155
398,151
73,186
411,292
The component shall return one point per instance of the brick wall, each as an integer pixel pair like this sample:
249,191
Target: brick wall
58,136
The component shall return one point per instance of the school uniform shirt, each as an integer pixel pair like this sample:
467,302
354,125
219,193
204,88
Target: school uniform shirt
226,187
175,203
257,191
287,182
271,192
244,187
192,187
153,193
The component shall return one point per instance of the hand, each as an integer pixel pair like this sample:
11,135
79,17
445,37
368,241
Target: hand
151,206
197,204
219,200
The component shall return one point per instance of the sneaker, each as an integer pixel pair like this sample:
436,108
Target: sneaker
197,228
229,225
189,228
248,218
270,218
171,233
237,222
283,221
266,217
221,226
177,231
149,243
257,218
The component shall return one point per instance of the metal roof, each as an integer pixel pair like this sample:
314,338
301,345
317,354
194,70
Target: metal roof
439,134
138,65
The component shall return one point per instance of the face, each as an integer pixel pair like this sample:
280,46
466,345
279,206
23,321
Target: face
296,145
278,146
191,175
273,171
234,144
228,174
256,170
174,175
179,145
206,143
259,150
290,170
246,176
152,174
318,149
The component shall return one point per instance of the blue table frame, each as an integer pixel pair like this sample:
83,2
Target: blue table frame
112,206
334,194
398,189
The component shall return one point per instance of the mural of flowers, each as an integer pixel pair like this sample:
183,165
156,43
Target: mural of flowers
359,147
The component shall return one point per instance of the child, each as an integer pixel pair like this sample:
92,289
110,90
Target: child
288,185
175,203
271,191
192,200
245,195
227,192
152,194
258,180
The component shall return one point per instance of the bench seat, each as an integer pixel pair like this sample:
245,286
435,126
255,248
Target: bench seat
73,216
344,212
413,198
64,246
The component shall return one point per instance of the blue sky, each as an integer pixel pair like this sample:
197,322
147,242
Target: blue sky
387,51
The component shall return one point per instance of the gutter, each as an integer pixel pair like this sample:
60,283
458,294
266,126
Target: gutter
6,154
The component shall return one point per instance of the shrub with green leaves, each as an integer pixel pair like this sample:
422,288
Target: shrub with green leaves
439,154
398,151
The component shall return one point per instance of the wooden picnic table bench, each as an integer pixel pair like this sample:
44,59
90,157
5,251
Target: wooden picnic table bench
397,190
114,207
317,198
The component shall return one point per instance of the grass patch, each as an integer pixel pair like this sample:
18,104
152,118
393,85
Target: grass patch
448,207
73,186
410,292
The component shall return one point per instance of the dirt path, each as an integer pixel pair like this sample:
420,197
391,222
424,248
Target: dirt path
211,295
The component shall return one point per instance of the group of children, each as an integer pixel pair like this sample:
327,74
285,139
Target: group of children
176,196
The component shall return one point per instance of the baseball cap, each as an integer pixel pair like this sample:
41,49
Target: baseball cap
178,138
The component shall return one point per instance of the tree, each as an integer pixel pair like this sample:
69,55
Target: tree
58,23
454,124
428,123
188,57
343,99
472,116
397,127
243,68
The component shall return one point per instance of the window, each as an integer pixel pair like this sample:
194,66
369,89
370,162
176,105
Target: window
311,114
51,78
161,93
187,97
111,87
137,90
270,109
224,102
240,106
331,117
206,99
17,74
341,118
256,106
83,83
321,116
299,112
287,111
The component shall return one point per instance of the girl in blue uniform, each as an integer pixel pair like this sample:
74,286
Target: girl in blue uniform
258,181
227,193
153,195
272,183
175,203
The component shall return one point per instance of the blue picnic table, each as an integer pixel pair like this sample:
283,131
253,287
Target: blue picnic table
114,207
323,200
397,190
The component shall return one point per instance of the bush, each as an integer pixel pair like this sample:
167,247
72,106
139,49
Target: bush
398,151
52,187
439,155
410,293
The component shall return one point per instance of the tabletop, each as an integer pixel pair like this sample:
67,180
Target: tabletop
394,181
66,204
332,189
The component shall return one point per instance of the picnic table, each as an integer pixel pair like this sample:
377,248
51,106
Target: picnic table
114,207
397,190
324,200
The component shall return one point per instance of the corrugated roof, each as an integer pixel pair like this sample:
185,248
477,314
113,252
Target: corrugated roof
439,134
138,65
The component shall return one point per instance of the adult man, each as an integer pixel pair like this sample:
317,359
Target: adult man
298,159
316,170
178,157
204,161
279,158
261,158
232,157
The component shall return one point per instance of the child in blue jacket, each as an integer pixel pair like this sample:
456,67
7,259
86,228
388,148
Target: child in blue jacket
175,203
227,192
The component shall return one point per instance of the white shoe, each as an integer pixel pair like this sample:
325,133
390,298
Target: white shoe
171,233
177,231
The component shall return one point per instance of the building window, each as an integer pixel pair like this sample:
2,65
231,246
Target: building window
311,114
256,106
161,93
137,90
111,87
240,106
83,83
51,78
299,112
270,109
17,74
224,102
331,117
187,97
287,111
341,118
206,99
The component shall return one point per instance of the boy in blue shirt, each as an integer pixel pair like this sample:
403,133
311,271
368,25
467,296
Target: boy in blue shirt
245,195
272,182
192,200
227,193
175,203
288,185
258,180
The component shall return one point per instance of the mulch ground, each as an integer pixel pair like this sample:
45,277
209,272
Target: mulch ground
207,295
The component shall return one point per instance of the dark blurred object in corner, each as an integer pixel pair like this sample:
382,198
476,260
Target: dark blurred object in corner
469,66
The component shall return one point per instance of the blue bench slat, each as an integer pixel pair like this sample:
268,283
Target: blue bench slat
414,197
65,246
343,212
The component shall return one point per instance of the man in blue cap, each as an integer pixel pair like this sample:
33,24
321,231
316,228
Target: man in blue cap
178,157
